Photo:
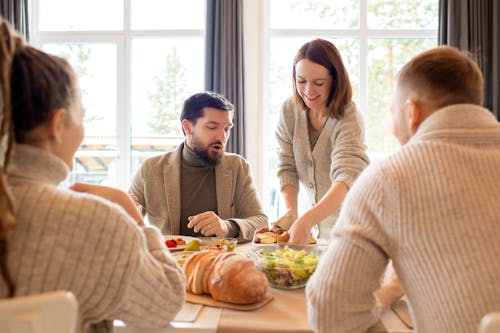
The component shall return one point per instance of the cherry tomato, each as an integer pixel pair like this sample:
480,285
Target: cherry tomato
171,243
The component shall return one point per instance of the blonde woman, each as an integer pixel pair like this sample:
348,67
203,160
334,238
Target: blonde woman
94,245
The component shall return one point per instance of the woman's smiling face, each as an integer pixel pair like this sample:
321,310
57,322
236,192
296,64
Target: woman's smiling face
313,83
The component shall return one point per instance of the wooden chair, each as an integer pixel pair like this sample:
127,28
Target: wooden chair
51,312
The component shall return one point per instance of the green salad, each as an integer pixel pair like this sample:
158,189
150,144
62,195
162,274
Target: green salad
285,267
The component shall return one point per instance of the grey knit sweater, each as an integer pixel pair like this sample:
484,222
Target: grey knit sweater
433,209
339,154
89,246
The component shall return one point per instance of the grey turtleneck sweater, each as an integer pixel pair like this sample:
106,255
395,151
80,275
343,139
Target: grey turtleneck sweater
198,192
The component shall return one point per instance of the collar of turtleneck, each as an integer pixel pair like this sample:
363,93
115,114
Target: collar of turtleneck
190,158
35,164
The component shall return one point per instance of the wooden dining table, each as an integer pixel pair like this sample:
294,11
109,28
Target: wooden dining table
286,312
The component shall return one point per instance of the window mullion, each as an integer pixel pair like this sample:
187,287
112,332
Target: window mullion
363,60
124,109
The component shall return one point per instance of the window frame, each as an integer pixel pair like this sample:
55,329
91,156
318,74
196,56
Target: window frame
123,41
257,47
256,22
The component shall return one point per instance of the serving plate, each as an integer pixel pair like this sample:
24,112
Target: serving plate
187,239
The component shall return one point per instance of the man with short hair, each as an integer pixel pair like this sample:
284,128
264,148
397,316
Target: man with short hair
432,208
198,189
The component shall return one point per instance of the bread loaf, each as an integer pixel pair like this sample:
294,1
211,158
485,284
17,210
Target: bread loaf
236,280
227,277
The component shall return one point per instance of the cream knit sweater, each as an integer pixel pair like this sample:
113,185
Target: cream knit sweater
339,154
433,208
89,246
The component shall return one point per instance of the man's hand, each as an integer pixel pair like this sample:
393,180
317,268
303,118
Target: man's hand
209,224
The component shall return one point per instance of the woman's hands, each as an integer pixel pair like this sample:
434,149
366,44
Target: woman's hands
286,221
112,194
300,232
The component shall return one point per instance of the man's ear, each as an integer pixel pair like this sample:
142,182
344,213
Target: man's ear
187,126
56,124
416,115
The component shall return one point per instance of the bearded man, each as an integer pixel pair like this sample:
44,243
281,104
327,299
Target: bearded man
198,189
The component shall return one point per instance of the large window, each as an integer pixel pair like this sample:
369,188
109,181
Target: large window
375,38
137,60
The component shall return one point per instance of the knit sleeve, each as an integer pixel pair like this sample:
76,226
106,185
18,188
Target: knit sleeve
340,293
156,289
348,156
140,282
287,170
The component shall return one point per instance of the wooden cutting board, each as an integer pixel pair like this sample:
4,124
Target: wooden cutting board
208,300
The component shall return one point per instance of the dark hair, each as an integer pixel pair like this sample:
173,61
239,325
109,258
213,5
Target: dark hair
193,106
324,53
445,76
33,85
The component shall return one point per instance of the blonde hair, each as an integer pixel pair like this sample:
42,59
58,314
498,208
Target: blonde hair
33,85
443,76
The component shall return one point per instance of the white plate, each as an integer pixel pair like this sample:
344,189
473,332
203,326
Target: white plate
187,239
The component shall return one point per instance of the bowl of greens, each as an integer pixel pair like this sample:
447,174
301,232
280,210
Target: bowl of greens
286,267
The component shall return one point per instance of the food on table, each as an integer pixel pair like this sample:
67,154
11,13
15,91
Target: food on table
227,277
181,257
274,235
285,267
171,243
193,245
223,244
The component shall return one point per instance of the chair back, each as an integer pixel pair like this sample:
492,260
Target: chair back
51,312
490,323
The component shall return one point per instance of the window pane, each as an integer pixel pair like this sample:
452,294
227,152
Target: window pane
168,14
165,71
323,14
80,15
403,14
280,88
385,58
95,66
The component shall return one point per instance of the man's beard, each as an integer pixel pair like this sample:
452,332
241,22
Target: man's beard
204,155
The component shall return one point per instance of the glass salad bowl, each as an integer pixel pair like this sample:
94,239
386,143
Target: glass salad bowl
287,267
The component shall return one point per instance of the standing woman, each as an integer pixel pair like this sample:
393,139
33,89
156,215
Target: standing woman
93,245
321,138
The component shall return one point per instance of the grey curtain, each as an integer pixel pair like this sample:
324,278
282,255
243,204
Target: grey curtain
472,25
224,61
16,12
